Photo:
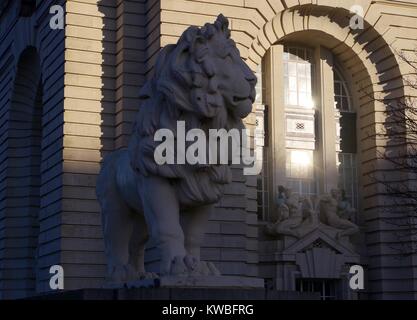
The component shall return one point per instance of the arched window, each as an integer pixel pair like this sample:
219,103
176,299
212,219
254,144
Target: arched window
310,127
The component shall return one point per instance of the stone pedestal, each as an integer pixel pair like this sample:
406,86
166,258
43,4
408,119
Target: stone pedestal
178,294
220,282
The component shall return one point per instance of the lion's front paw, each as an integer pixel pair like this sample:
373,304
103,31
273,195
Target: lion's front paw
178,266
191,263
147,275
192,266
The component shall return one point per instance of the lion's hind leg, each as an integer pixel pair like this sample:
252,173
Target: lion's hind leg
117,223
118,230
137,245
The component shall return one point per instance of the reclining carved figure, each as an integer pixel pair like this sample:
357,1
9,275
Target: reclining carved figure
296,216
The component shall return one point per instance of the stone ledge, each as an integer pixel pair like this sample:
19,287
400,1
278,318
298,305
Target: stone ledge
218,282
177,294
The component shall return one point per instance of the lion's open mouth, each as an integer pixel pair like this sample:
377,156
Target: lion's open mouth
239,99
251,97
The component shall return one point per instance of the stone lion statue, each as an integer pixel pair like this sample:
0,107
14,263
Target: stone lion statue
202,81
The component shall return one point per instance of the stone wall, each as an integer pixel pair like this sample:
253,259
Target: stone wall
30,159
91,73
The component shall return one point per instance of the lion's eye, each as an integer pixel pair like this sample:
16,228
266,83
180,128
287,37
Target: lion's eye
229,58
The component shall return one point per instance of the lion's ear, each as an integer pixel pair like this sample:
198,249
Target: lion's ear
222,24
147,89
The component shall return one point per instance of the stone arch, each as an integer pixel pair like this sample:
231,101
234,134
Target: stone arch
369,56
23,172
369,45
366,54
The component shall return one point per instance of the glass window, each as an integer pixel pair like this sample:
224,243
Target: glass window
341,92
299,164
300,171
263,179
263,187
297,77
300,167
348,180
325,287
298,93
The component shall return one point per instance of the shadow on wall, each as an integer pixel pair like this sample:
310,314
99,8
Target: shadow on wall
123,71
23,179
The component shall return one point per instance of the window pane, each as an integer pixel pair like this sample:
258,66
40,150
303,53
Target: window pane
299,164
301,69
293,54
338,102
293,83
297,77
286,55
341,92
300,53
292,98
302,84
337,90
307,87
292,68
348,180
345,103
304,99
308,70
348,132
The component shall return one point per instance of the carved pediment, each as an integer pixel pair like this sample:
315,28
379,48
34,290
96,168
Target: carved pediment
320,239
319,255
319,243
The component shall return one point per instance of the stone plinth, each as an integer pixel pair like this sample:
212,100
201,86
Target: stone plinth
221,282
178,294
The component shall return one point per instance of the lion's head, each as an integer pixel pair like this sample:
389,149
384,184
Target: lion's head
201,80
204,77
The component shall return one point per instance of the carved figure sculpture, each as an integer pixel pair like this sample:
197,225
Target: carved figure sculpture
297,216
345,210
290,215
203,81
329,204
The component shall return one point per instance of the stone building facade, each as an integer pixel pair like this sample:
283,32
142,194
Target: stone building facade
69,96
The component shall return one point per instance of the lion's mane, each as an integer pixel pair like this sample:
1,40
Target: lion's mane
177,92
